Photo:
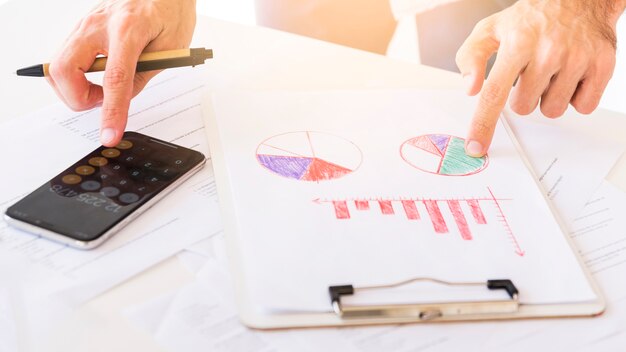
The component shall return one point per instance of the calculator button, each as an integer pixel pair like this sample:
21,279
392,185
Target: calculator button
143,150
142,189
136,174
110,153
110,192
90,185
123,182
85,170
129,158
124,144
71,179
129,198
167,172
98,161
178,162
153,179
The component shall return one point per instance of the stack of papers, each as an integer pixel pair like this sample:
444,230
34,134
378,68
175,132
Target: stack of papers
53,279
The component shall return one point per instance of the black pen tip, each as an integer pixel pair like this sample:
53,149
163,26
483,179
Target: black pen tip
32,71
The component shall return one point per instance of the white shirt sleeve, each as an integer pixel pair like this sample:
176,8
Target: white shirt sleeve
410,8
404,44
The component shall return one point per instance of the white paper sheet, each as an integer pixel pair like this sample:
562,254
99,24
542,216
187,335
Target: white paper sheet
8,322
40,145
570,163
317,228
25,311
199,318
600,235
192,261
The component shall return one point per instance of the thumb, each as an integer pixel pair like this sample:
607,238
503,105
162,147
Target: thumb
472,56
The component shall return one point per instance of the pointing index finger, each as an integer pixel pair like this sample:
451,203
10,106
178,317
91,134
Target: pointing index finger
492,100
118,87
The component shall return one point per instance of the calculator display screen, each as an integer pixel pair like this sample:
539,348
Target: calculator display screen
104,187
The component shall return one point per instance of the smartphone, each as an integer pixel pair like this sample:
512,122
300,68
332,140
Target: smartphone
101,193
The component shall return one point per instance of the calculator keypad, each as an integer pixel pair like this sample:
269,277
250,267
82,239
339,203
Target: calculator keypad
123,174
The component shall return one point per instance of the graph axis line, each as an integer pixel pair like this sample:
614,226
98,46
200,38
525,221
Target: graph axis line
418,199
507,227
433,210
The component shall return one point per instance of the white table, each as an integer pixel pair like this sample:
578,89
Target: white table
248,57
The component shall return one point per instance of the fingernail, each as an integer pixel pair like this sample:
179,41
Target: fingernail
474,149
468,81
107,135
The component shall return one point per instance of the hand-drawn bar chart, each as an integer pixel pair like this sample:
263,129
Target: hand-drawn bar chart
309,156
433,209
441,154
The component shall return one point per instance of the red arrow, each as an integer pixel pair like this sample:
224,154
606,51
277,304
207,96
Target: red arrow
507,228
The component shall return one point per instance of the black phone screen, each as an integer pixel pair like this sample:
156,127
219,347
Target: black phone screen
100,190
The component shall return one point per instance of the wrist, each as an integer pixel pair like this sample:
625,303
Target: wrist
614,9
603,15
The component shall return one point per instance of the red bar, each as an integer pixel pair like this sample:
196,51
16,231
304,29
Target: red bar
386,207
459,218
435,216
477,212
411,210
362,204
341,209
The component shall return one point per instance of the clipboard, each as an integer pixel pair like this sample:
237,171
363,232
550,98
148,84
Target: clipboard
339,314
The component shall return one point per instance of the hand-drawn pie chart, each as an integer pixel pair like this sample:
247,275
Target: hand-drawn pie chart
441,154
309,156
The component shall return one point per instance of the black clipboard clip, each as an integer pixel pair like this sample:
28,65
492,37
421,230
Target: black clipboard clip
426,311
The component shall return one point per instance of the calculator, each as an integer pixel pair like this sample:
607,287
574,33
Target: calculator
102,192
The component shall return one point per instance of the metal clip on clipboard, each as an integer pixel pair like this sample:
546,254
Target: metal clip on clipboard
425,311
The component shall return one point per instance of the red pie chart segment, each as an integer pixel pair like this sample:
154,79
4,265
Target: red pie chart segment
425,143
323,170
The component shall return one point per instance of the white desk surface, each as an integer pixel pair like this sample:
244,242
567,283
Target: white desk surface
247,57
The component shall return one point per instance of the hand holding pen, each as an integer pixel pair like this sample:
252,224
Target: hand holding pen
120,30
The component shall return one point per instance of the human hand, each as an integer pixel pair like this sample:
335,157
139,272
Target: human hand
560,52
120,30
